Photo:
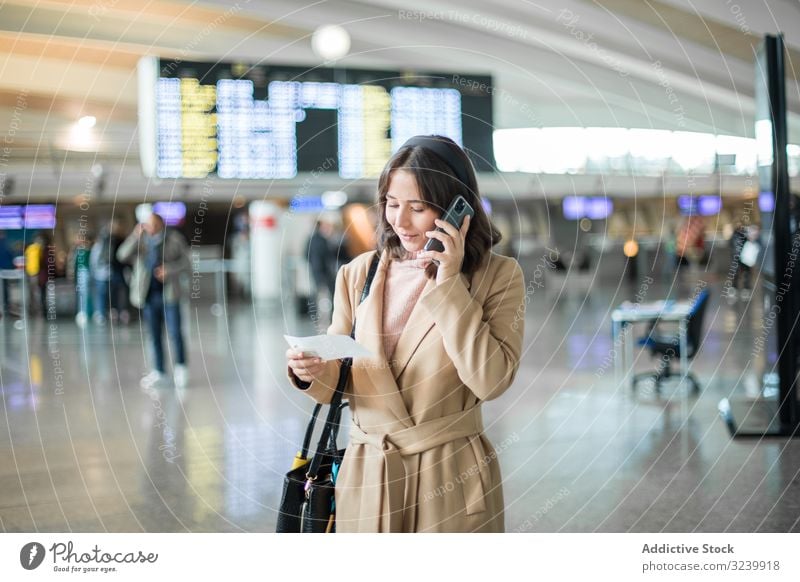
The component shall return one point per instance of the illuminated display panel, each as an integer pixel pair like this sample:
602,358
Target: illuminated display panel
37,216
709,205
598,208
307,204
10,217
31,216
766,202
699,205
267,122
593,207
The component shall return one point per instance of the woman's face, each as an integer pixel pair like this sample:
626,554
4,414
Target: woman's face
407,214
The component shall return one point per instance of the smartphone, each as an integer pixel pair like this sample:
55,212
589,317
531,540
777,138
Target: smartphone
459,209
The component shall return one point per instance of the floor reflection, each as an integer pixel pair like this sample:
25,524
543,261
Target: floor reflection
84,448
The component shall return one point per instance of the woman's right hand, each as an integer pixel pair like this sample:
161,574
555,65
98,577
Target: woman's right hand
305,366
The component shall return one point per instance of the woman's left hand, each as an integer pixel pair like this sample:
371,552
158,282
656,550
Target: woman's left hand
452,239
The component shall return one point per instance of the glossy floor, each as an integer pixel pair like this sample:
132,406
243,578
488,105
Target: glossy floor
83,448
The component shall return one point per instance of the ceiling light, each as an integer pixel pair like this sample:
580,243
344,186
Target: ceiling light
330,42
87,121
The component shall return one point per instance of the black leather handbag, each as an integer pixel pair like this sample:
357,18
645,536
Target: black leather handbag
291,508
308,503
319,509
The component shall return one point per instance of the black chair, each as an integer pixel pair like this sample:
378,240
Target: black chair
667,347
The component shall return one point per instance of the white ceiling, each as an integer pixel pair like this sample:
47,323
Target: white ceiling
669,64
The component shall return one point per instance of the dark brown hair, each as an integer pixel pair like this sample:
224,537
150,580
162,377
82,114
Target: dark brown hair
438,186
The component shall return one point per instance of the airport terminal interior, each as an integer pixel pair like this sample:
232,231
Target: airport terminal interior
641,161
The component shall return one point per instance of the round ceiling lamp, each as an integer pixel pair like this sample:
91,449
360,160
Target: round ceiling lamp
330,42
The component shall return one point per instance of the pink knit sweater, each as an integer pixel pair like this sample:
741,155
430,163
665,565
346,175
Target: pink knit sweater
405,281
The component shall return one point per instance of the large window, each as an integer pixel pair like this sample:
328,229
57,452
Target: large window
588,150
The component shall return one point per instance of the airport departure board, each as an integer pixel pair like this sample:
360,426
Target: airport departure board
264,122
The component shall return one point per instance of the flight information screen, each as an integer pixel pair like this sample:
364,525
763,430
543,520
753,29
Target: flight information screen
262,122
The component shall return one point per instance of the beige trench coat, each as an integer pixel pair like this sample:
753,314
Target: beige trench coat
418,460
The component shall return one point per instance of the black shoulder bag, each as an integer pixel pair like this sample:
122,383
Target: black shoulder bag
307,503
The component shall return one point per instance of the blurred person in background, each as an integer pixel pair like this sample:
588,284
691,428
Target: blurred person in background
33,256
340,248
322,260
738,238
748,260
81,274
240,254
40,268
6,264
690,246
668,244
100,260
160,258
120,304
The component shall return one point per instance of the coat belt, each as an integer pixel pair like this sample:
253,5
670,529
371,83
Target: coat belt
417,439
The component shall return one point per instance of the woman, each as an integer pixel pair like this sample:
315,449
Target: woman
445,339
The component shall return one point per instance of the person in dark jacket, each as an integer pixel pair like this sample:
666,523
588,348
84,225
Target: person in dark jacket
46,275
120,303
320,258
6,264
108,274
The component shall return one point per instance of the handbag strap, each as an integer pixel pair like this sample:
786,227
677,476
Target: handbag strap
310,431
334,449
331,427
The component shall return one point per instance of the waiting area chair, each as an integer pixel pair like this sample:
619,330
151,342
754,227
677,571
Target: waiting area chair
667,347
